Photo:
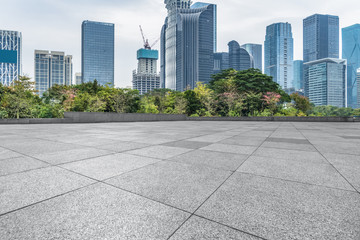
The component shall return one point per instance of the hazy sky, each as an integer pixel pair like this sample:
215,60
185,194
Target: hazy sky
56,24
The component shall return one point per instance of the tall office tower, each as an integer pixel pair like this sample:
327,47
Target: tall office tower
188,42
327,82
97,52
78,78
358,87
298,76
221,62
239,58
351,52
10,56
279,54
321,40
50,70
146,78
255,51
68,70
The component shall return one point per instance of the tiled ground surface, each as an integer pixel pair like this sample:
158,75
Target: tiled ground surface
180,180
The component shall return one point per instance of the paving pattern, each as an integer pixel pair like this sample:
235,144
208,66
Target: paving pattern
180,181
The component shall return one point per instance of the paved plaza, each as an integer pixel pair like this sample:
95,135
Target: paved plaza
180,180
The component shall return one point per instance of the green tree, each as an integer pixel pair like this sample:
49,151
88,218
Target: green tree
301,103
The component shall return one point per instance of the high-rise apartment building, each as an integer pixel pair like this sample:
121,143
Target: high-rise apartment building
239,58
255,50
10,56
221,62
51,68
188,41
320,40
78,78
298,76
327,82
146,78
97,52
279,54
351,52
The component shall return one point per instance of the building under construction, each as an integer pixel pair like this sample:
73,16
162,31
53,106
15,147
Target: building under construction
146,78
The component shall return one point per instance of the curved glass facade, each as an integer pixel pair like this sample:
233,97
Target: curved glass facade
279,54
239,58
97,53
351,52
255,50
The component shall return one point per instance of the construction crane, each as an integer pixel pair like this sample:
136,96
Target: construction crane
146,41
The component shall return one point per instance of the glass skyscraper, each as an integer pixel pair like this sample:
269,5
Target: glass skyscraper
327,82
10,56
188,44
97,52
51,68
239,58
279,54
221,62
351,52
358,86
298,76
255,51
321,39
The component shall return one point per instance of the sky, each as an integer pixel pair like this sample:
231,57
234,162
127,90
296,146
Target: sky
56,25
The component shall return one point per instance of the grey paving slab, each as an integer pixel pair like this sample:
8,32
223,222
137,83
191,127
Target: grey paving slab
122,146
288,140
95,212
337,147
20,190
72,155
246,150
277,209
187,144
245,141
160,152
291,146
221,160
105,167
19,164
198,228
347,165
290,154
180,185
293,170
211,138
6,154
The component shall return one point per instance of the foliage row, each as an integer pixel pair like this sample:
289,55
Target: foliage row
229,93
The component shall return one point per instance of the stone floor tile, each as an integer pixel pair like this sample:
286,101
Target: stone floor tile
246,150
19,164
160,152
290,154
187,144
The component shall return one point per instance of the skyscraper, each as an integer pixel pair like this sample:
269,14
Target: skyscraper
321,39
351,52
327,82
239,58
221,62
358,86
298,76
78,78
255,51
51,68
10,56
146,77
279,54
97,52
188,44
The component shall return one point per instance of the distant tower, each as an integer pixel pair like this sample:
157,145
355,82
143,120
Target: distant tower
51,68
298,76
255,50
10,56
239,58
146,78
78,79
221,62
321,40
97,52
279,54
358,86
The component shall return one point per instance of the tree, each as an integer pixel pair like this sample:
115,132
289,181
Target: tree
301,103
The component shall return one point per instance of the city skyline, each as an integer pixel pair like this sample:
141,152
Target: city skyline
244,22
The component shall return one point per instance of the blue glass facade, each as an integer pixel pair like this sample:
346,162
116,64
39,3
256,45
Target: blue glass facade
188,42
299,76
255,50
327,82
97,52
239,58
321,39
10,56
279,54
351,52
221,62
358,86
